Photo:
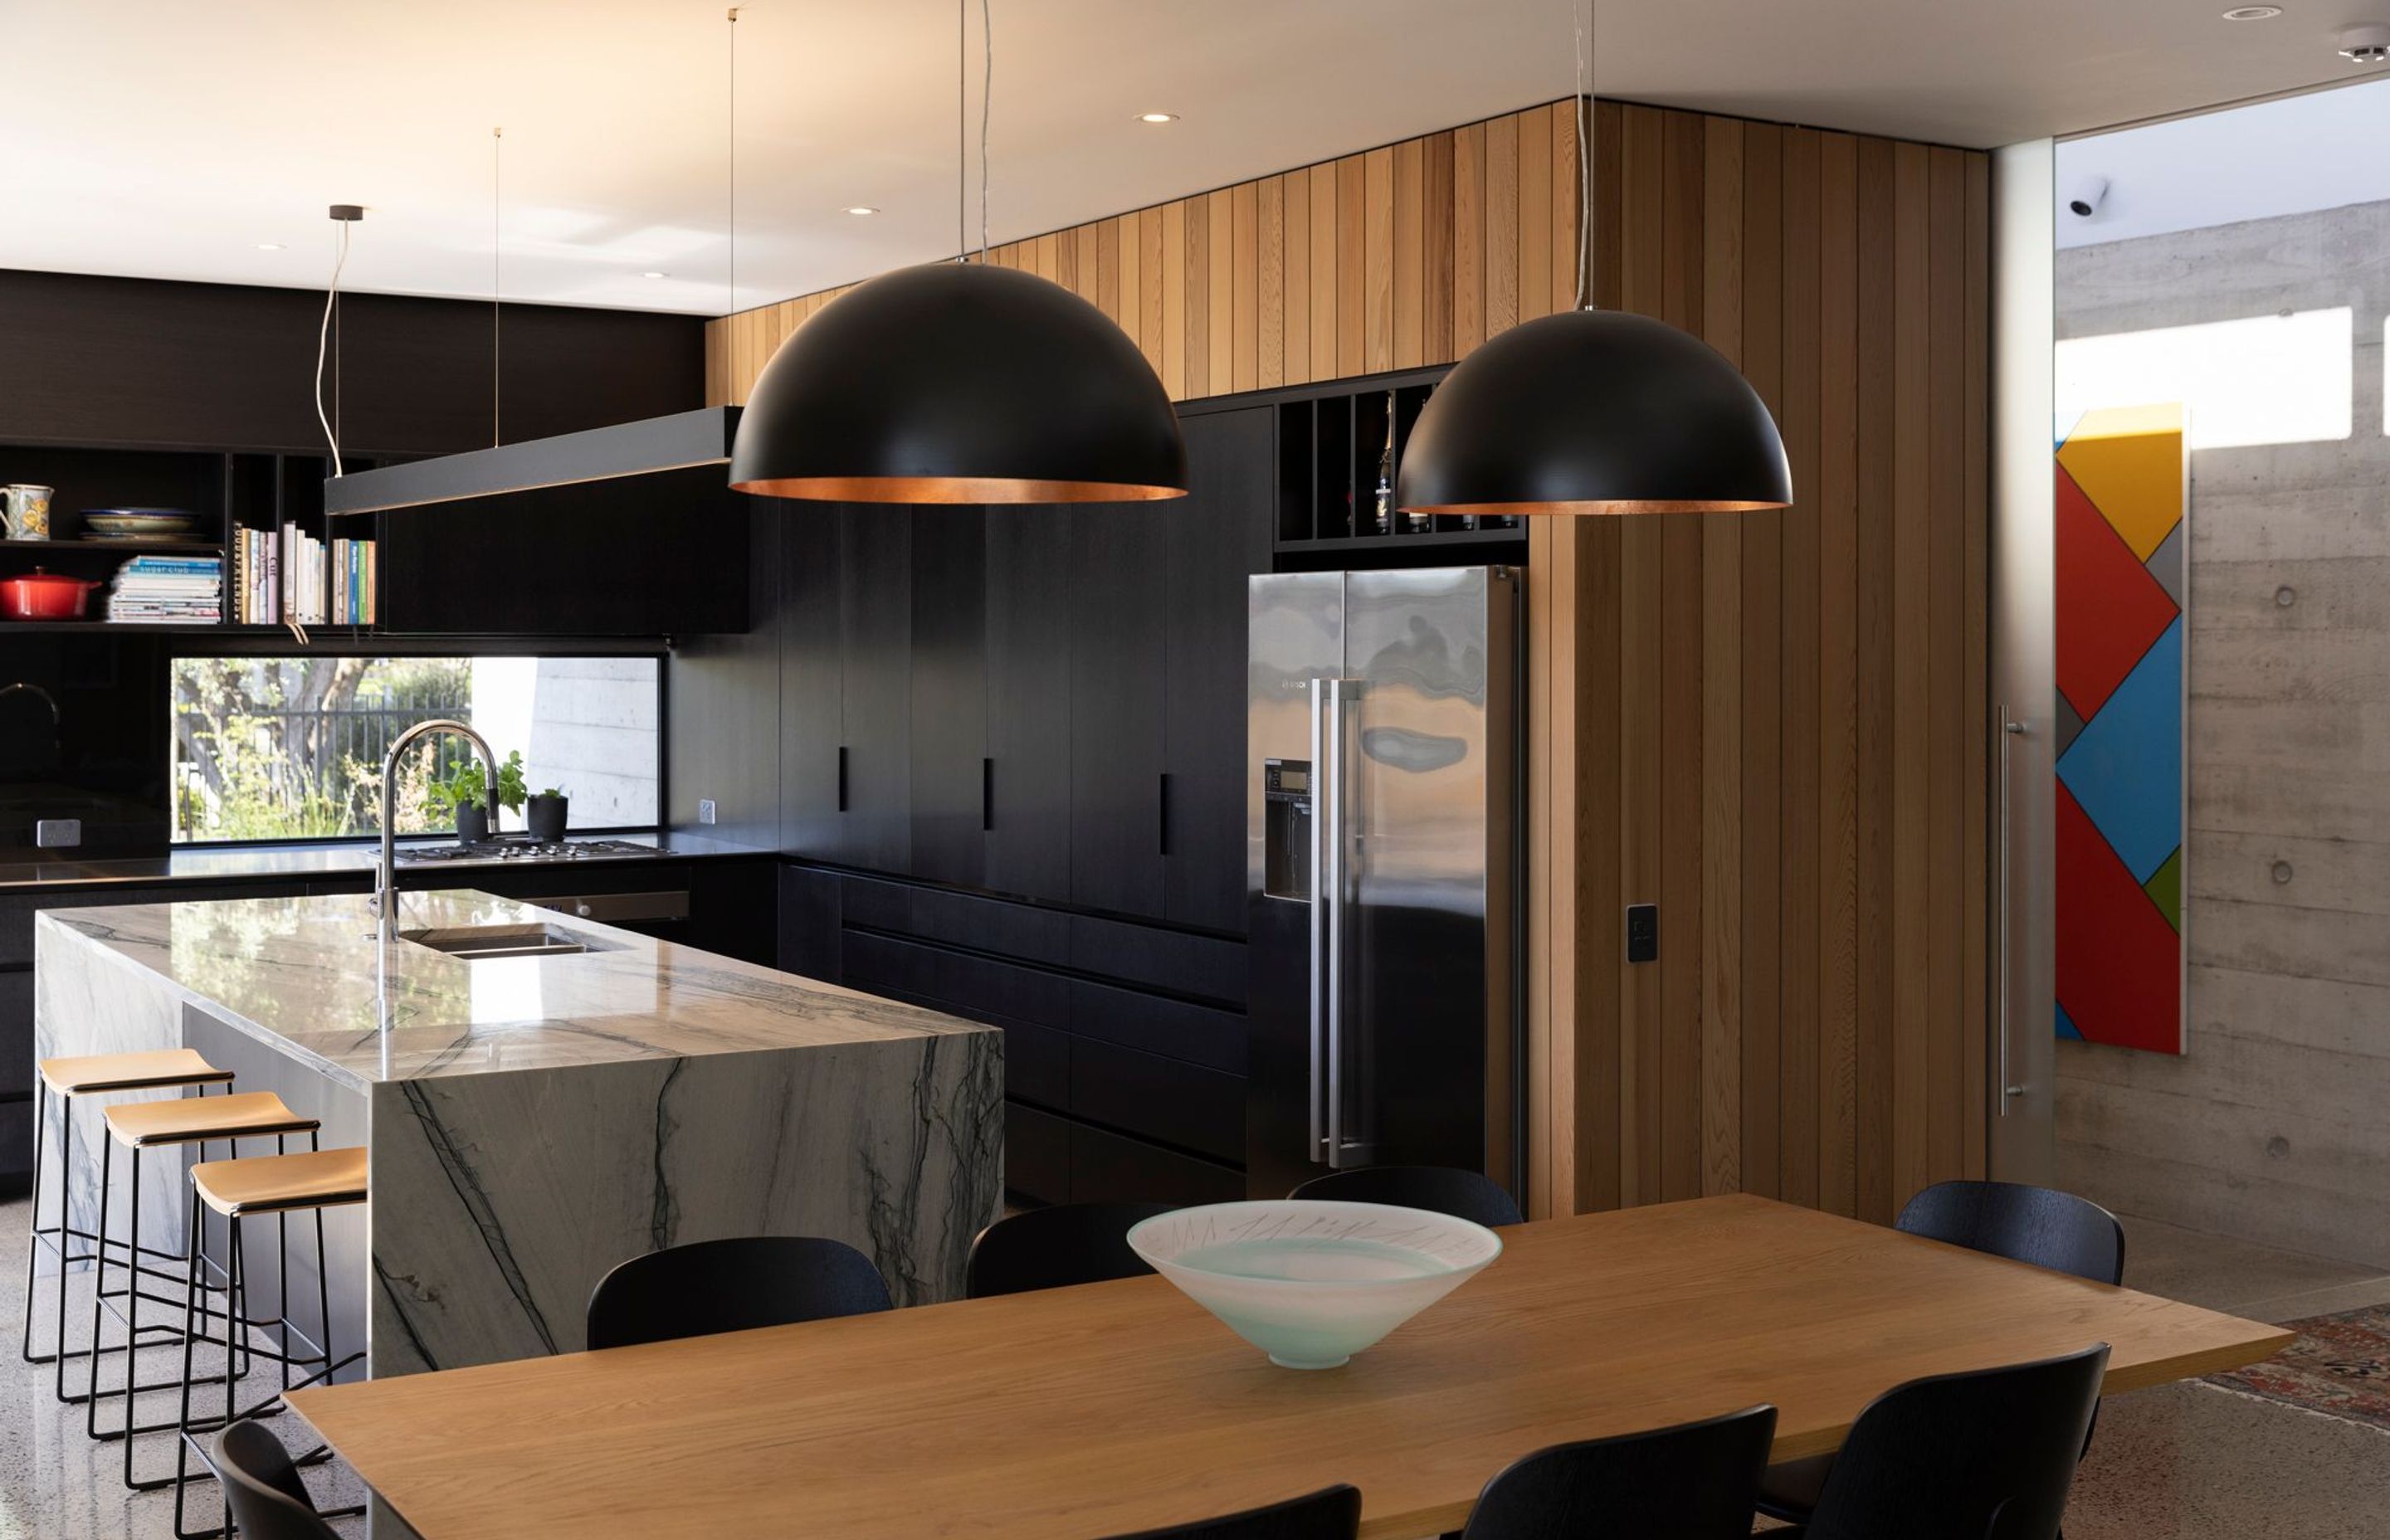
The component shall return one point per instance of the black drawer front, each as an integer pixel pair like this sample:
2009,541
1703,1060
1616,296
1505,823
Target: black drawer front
1200,1034
982,924
1106,1168
966,983
1200,966
1160,1098
16,1034
1037,1154
810,905
1036,1063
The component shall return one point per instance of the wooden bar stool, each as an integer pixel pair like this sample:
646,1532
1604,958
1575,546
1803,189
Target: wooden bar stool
62,1080
143,1126
256,1186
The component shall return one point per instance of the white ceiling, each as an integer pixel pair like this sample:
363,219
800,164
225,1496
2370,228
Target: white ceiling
162,138
2320,150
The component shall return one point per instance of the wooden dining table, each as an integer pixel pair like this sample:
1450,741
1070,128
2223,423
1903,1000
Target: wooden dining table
1118,1407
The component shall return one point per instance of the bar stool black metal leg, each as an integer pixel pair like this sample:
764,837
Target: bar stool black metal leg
90,1396
65,1226
192,1294
33,1232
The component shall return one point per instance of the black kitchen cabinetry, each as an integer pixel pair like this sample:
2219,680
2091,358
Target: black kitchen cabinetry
1124,1044
1118,652
1047,702
1028,769
643,555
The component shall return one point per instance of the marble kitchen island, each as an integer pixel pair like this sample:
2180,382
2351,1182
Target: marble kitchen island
533,1120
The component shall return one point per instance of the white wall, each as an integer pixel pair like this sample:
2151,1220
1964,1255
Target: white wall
589,726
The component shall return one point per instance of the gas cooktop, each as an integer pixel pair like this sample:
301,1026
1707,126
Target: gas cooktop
526,849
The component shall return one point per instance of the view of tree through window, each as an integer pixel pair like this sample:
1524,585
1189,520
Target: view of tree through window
292,748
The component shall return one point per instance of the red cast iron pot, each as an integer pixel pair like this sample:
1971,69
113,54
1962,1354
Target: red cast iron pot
40,595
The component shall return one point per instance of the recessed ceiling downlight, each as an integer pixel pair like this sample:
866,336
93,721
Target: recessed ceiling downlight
269,246
1157,117
860,209
652,274
2253,13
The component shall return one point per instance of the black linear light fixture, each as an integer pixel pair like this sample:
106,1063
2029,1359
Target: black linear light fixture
960,383
1594,411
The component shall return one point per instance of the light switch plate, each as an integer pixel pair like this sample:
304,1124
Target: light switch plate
706,810
54,833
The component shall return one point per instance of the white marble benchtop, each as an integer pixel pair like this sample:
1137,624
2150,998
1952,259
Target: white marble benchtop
309,976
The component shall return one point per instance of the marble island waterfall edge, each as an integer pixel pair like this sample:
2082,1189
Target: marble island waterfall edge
517,1154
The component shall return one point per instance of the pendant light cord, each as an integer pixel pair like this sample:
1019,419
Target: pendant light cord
962,130
986,99
323,346
497,139
1585,45
730,139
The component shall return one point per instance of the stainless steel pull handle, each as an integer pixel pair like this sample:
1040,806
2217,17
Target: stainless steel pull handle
2011,730
1320,917
1336,885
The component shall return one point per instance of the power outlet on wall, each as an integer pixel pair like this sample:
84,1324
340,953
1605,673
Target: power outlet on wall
1642,932
706,810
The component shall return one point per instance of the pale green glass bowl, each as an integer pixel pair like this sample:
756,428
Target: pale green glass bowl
1311,1282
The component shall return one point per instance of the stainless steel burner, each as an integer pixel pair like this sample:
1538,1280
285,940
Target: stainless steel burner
522,848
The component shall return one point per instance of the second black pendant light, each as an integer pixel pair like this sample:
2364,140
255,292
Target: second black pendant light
1594,411
960,383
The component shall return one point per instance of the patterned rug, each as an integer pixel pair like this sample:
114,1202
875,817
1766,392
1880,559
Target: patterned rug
2340,1367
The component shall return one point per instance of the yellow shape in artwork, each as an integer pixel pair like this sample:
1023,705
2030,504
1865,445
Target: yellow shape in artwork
2128,460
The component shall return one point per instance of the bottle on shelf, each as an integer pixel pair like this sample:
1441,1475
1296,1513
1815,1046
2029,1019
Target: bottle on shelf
1383,521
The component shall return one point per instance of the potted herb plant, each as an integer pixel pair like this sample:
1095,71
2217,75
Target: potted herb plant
465,789
544,815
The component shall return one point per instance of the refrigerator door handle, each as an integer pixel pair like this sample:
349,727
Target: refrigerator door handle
1316,973
1333,883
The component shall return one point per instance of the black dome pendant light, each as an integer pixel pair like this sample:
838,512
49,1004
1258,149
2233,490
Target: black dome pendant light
960,383
1594,411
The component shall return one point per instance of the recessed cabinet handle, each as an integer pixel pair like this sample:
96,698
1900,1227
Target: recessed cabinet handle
986,795
1162,808
842,777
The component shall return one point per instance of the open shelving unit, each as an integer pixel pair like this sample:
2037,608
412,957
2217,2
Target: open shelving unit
1330,449
229,491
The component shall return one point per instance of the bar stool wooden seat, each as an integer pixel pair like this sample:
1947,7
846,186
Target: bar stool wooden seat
141,1127
62,1079
245,1188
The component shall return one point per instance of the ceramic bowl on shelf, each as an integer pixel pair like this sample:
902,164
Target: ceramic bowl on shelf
1312,1282
164,521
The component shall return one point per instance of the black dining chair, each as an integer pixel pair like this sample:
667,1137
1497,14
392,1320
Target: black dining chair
1055,1248
1331,1513
1693,1481
1986,1455
1447,1189
2041,1225
735,1284
263,1498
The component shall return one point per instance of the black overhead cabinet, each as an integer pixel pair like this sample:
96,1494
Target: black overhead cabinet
1047,702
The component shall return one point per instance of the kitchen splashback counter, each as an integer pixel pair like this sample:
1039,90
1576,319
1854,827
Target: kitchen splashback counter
532,1121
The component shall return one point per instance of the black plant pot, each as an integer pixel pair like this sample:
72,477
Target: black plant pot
472,822
545,816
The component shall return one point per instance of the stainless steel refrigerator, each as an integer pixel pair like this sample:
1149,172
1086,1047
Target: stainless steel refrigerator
1382,827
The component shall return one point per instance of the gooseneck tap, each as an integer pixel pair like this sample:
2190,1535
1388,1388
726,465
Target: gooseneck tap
384,901
48,699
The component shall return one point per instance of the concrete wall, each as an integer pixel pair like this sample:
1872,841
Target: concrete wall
588,725
2275,1124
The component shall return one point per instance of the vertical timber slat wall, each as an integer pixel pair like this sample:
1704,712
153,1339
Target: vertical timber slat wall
1772,725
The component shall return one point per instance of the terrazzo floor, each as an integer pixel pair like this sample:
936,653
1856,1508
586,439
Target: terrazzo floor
2180,1462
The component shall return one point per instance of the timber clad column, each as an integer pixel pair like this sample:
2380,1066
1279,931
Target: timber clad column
1772,725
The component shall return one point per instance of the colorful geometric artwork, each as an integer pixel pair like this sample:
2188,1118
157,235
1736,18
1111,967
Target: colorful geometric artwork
2120,553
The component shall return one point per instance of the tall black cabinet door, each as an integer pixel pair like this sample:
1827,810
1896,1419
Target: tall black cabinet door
949,694
811,669
1217,536
1116,668
1029,702
875,624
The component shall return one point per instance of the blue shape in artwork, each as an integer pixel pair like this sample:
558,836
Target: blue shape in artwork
2066,1027
2125,768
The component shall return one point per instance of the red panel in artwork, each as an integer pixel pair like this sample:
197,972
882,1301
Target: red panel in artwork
2119,962
2109,608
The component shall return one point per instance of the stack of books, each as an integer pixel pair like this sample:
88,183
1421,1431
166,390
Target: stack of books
161,590
354,571
290,576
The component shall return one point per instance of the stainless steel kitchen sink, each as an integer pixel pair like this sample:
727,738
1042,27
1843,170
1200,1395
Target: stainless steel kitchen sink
478,943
